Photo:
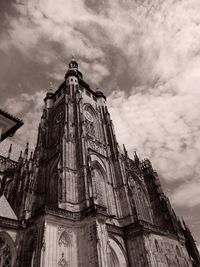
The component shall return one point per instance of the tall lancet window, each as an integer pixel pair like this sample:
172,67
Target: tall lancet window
64,250
99,185
90,121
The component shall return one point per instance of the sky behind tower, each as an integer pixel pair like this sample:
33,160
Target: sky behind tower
144,55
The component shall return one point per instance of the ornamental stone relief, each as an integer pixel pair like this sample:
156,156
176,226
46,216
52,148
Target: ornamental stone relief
5,253
61,229
62,262
97,147
63,241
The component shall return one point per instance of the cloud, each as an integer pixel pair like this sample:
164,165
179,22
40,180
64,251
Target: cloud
187,194
30,105
157,39
144,54
163,127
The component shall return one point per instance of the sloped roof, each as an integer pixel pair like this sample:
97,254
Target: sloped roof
9,124
5,209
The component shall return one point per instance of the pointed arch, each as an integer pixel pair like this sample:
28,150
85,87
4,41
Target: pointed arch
90,120
90,108
8,187
114,262
7,250
64,239
140,200
116,254
99,184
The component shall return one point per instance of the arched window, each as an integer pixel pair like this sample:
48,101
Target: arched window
64,250
8,188
5,253
90,120
99,187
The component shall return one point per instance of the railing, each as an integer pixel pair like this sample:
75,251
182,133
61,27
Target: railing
6,163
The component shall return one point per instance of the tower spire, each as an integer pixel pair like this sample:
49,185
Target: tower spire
25,156
125,151
73,64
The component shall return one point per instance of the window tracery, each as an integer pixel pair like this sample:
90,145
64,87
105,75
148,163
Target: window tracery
5,253
90,120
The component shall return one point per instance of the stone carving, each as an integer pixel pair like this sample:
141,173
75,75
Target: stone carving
94,145
62,229
62,262
63,241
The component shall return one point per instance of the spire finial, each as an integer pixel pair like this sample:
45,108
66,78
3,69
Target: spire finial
73,64
10,151
20,156
31,155
137,160
26,151
50,86
125,151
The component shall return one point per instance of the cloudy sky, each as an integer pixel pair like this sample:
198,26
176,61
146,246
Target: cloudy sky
144,55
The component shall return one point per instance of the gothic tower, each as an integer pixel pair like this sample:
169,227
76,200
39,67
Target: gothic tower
80,201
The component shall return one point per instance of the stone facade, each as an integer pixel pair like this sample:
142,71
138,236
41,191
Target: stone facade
80,201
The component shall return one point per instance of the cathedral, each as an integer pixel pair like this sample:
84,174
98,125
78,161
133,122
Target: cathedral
79,200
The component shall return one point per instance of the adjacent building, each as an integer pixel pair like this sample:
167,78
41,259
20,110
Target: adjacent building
8,125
